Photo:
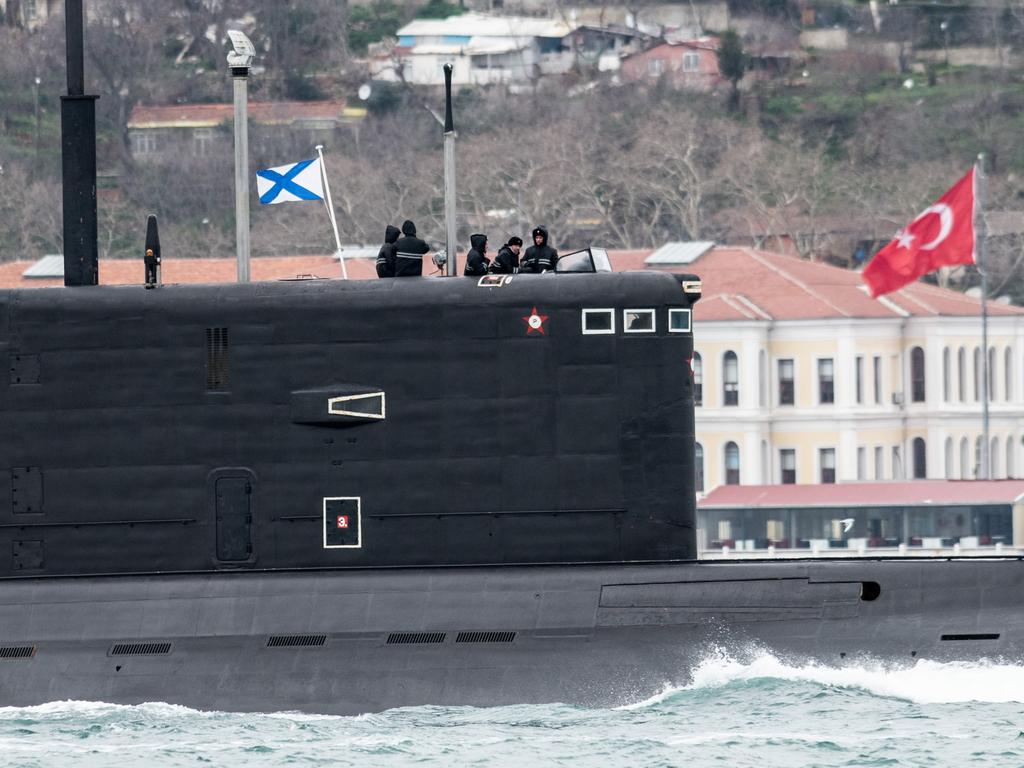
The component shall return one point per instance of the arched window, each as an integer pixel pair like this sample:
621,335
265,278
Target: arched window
961,373
698,466
920,468
977,458
977,374
762,378
730,379
732,463
917,374
993,459
965,458
950,469
1011,464
991,373
698,379
945,375
1008,375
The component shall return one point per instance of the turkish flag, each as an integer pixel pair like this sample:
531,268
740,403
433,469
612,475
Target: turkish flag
941,236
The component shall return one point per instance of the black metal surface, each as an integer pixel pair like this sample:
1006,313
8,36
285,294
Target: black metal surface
593,636
197,428
449,120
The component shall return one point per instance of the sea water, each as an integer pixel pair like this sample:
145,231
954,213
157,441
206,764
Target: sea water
763,713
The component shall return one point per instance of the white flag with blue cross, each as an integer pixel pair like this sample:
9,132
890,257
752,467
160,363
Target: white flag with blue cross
290,183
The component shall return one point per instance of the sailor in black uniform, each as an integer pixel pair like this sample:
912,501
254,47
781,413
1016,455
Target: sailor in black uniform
409,251
507,260
386,256
539,257
476,260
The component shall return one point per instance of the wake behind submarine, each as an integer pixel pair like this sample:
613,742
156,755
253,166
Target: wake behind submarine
344,497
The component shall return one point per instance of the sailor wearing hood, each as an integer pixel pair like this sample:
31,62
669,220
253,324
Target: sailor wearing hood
539,257
386,256
409,251
507,260
476,260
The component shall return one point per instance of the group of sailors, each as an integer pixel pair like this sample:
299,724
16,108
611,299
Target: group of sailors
402,254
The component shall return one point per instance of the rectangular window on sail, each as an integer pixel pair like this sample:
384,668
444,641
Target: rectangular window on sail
638,320
679,321
598,321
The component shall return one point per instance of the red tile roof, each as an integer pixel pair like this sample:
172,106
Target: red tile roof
265,112
739,284
938,492
745,283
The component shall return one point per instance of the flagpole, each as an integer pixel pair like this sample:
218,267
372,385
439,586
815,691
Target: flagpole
982,230
330,210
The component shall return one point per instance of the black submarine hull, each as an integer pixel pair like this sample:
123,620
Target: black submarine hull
364,640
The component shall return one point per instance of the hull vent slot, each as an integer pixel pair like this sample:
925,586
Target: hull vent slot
978,636
17,652
140,649
296,641
485,637
217,359
415,638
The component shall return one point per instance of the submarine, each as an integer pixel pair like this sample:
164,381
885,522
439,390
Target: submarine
345,497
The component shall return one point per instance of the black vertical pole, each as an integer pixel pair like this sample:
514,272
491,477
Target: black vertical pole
78,159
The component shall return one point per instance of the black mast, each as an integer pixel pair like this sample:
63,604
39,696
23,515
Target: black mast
78,159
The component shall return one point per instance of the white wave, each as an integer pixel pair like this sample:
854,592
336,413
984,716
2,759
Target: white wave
924,682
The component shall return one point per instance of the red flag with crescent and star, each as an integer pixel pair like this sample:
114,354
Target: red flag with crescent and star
943,235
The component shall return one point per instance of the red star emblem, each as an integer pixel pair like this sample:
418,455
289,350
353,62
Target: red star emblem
535,322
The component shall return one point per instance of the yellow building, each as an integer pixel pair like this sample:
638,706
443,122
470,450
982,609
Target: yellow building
803,378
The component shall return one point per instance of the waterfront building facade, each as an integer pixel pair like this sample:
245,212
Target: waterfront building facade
805,379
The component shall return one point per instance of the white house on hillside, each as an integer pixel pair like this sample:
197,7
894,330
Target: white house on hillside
483,49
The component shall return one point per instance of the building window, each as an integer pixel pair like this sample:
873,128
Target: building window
144,142
732,463
787,466
879,463
993,459
30,9
862,463
917,375
897,464
827,461
961,374
730,379
698,379
950,469
698,466
920,459
1008,374
691,62
762,378
787,394
977,374
826,382
945,375
202,142
598,321
965,467
876,366
638,320
1011,466
858,370
977,457
655,67
991,373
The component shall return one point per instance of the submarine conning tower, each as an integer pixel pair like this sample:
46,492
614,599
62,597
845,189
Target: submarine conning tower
333,424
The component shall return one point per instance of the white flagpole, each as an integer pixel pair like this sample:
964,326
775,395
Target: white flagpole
330,211
981,233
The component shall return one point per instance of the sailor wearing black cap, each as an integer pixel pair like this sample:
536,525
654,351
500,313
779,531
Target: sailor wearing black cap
409,252
539,257
507,260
